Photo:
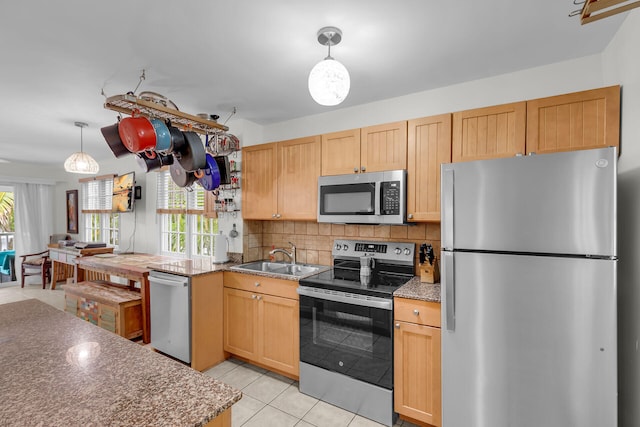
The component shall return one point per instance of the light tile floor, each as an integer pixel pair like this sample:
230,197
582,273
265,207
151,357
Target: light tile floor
269,399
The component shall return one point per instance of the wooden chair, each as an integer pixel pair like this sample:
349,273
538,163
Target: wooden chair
37,264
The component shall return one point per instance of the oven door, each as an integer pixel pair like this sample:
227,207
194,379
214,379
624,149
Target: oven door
354,338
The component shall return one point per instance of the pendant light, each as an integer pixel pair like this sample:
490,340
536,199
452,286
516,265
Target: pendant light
81,162
329,80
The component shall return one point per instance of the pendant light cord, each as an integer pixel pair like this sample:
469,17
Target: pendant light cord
81,150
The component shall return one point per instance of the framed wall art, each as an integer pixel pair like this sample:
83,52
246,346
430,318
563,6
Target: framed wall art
72,211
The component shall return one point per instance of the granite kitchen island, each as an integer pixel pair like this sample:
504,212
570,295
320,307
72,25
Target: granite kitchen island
60,370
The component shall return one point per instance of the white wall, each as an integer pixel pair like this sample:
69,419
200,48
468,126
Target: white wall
564,77
621,63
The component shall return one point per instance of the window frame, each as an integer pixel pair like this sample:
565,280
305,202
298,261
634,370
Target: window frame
100,224
183,228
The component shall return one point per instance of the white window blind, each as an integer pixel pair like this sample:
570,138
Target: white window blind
174,199
96,195
184,230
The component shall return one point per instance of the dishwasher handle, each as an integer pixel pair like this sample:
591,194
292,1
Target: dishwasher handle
169,280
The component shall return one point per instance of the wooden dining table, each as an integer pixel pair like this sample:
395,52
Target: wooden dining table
133,267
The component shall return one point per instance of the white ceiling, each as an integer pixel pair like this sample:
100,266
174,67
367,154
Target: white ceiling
208,56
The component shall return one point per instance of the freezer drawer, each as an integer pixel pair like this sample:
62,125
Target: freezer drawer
563,203
528,341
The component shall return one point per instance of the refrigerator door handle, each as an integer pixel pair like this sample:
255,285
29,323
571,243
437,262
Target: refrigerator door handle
447,208
449,283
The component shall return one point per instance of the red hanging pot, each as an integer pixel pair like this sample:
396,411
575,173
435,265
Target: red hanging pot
137,133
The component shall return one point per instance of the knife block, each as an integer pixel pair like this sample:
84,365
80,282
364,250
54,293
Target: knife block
429,273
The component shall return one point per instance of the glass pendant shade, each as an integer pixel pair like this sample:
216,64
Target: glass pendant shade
329,82
81,162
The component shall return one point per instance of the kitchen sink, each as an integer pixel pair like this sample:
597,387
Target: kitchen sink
280,268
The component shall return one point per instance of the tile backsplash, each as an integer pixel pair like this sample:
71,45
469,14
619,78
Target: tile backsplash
314,241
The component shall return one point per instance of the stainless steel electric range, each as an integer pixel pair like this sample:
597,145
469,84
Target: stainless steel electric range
346,326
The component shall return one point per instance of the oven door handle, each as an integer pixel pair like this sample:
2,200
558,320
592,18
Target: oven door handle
337,296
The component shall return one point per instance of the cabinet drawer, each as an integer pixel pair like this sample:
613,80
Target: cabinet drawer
416,311
264,285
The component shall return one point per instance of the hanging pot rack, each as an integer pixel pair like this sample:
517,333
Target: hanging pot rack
594,10
127,103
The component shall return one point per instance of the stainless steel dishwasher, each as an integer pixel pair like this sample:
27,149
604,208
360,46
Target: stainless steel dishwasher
170,300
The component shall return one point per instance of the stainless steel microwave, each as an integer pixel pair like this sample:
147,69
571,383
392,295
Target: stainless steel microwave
363,198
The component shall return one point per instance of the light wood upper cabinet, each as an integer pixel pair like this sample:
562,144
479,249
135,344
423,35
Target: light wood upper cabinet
428,146
280,179
341,152
298,172
370,149
259,181
490,132
383,147
580,120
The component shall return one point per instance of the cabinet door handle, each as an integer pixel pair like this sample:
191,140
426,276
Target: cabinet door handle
273,215
363,168
410,216
259,297
257,284
355,170
253,297
416,312
397,325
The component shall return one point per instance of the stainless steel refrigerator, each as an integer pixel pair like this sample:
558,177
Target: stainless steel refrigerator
529,291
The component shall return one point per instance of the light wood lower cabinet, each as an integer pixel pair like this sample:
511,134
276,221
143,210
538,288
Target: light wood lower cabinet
417,361
261,321
206,321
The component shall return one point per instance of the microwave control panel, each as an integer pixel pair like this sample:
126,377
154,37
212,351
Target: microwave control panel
390,200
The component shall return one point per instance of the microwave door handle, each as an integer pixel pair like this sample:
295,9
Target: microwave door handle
377,198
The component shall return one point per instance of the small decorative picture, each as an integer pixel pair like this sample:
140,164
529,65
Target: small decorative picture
72,211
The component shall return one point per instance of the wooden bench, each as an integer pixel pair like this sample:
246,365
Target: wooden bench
107,305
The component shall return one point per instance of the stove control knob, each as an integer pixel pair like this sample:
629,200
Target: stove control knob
338,246
345,247
407,251
398,251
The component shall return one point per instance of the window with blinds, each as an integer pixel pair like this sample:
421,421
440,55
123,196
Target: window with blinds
184,230
96,195
100,224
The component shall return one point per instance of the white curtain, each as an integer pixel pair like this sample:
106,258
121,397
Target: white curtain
33,204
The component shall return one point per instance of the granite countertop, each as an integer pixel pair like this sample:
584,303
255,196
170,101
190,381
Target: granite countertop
190,267
414,289
60,370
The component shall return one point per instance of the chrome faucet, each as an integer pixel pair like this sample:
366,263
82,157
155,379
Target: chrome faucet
291,255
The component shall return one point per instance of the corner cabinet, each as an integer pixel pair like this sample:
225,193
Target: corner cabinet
575,121
370,149
280,180
489,132
261,321
417,361
428,146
